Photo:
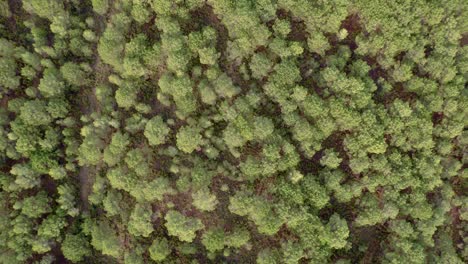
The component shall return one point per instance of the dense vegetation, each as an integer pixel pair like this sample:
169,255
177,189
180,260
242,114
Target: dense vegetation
233,131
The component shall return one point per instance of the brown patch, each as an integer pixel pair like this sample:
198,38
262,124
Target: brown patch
437,118
464,40
252,149
85,187
263,185
399,92
16,31
298,27
336,141
219,180
311,165
298,31
307,78
352,24
374,237
48,184
380,196
58,255
205,16
282,14
149,29
457,228
160,162
4,102
376,71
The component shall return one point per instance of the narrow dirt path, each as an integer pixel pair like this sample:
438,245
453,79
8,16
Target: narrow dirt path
90,104
85,187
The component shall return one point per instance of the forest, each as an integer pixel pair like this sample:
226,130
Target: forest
234,131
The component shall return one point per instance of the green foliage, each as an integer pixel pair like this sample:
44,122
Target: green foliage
121,180
134,257
26,177
112,203
135,52
58,107
292,252
116,149
282,27
100,6
204,43
330,159
203,200
237,238
126,95
224,86
51,227
73,74
46,9
257,210
182,227
42,161
5,9
268,256
105,239
35,113
34,206
8,78
141,11
220,131
156,131
339,230
180,88
66,199
136,161
189,139
90,150
159,249
75,247
140,221
157,188
112,43
213,240
52,84
318,43
315,192
260,65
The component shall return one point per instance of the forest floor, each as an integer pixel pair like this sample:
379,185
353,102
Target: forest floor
85,187
89,104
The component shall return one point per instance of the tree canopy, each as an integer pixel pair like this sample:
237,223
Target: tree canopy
233,131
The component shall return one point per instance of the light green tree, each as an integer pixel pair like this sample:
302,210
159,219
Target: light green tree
189,139
140,221
75,247
156,131
159,249
182,227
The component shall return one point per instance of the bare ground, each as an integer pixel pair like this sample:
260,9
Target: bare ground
89,104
